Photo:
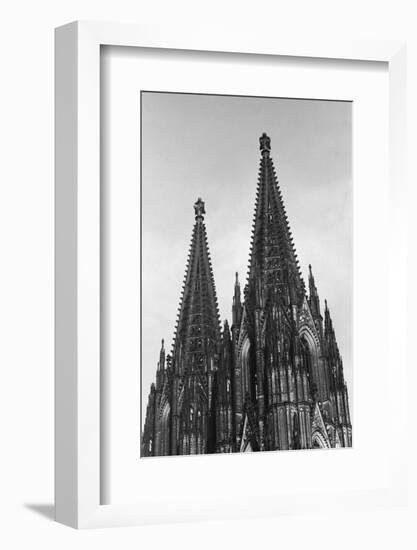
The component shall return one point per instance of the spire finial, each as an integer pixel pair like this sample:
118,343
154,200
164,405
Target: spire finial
237,278
265,144
199,209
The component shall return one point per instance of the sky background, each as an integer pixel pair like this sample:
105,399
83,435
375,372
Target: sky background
208,146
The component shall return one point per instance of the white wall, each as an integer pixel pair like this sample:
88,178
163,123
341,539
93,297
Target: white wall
26,271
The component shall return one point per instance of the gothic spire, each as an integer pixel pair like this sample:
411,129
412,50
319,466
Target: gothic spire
273,257
198,326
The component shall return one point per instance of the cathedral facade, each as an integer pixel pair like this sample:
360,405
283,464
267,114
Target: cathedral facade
273,380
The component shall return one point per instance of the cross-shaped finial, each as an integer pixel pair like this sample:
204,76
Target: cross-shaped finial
199,209
264,143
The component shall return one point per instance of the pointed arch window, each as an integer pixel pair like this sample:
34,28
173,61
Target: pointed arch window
296,443
246,369
163,448
318,441
306,363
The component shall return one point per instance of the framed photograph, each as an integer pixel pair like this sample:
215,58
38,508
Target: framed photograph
226,275
272,377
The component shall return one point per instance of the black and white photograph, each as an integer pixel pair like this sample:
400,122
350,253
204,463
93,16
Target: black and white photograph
246,274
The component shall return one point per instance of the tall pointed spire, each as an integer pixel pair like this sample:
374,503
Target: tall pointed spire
196,349
198,326
273,259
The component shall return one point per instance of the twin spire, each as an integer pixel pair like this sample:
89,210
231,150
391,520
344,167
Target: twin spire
198,324
272,259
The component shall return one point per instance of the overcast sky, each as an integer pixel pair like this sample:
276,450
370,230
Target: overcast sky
208,146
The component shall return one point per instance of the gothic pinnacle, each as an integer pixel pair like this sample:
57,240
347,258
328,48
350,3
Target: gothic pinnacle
311,276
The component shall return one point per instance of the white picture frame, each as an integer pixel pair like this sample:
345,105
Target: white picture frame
77,409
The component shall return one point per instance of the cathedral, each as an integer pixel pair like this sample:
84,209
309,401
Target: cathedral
273,380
